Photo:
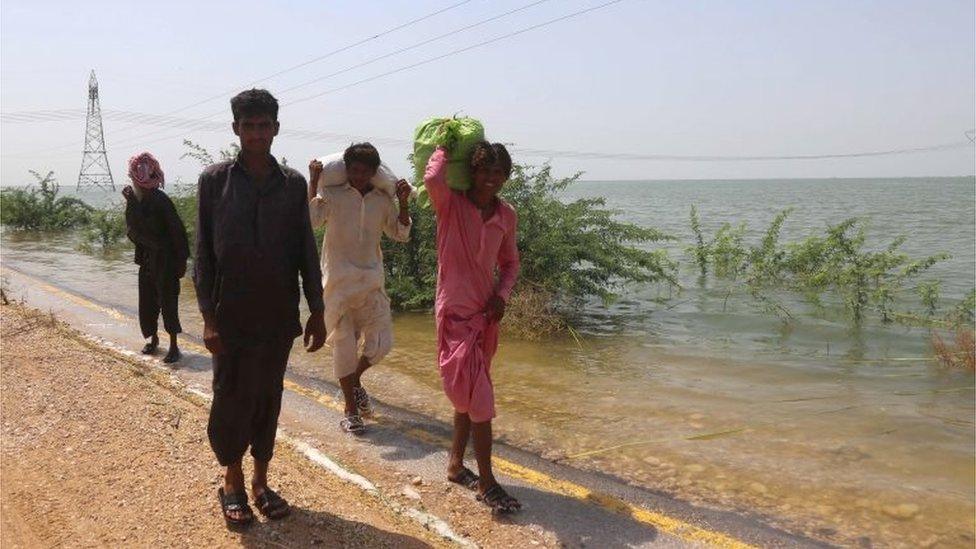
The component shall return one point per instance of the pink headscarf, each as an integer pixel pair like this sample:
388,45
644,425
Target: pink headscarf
145,172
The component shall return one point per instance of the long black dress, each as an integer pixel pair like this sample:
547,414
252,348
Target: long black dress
162,250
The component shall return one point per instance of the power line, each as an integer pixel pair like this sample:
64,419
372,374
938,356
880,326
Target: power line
205,125
729,158
289,69
189,124
414,46
325,55
66,114
455,52
429,60
398,51
42,116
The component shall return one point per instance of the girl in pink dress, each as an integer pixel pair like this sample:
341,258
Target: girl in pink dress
475,238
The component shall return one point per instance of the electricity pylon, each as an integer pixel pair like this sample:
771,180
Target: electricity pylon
95,170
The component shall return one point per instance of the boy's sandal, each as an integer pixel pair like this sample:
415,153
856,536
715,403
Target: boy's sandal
353,424
499,501
235,503
466,478
271,505
363,402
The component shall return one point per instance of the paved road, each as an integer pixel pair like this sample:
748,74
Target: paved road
402,458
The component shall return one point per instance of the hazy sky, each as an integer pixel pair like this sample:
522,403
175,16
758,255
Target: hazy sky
675,77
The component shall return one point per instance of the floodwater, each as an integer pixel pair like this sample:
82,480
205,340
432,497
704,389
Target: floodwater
853,436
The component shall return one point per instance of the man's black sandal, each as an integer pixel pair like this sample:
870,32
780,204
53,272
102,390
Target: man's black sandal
235,503
271,505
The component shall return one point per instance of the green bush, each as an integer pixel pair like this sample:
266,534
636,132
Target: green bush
839,261
569,251
929,291
411,267
40,208
184,197
725,250
185,201
203,156
965,310
579,249
701,249
105,229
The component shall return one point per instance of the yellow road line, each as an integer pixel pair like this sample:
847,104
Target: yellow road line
664,523
614,504
76,299
317,396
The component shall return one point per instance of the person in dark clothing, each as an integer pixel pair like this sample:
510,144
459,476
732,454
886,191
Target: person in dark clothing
161,252
254,239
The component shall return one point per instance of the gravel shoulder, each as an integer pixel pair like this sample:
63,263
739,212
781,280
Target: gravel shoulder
100,451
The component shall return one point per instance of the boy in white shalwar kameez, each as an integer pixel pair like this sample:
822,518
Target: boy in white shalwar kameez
357,310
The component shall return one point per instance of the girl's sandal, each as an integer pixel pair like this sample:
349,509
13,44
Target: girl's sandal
466,478
498,500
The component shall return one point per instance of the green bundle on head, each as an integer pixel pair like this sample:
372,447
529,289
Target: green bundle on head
458,135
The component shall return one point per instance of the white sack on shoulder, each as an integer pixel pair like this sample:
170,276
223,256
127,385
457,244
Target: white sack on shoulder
334,174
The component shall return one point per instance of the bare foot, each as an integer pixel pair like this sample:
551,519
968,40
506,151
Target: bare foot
173,355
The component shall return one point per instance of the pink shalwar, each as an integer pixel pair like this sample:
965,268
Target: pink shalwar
468,251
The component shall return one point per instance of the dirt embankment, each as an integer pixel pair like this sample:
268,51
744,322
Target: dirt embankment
97,451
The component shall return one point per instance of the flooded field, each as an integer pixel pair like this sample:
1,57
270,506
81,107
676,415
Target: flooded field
850,435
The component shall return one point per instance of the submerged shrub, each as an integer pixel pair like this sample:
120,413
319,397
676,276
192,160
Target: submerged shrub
531,314
767,261
839,261
960,353
965,311
579,249
105,230
929,292
727,252
700,250
40,208
569,251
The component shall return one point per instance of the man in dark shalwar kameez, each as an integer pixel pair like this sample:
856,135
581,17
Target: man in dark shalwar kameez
161,251
254,239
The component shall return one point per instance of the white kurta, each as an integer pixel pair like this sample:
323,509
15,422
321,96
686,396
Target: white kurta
352,261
